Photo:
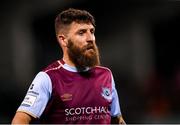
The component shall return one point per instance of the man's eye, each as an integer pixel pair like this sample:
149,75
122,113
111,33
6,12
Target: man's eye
92,31
81,33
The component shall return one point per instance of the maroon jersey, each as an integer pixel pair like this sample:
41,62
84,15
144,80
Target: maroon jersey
78,97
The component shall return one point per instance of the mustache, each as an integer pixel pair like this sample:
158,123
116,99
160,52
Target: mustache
89,46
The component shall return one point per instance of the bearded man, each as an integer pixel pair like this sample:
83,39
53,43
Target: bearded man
74,89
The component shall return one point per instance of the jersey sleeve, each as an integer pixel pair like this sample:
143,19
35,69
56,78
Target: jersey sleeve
115,106
37,95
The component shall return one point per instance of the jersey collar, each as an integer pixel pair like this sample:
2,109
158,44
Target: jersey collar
70,68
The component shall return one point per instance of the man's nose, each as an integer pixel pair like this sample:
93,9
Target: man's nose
90,38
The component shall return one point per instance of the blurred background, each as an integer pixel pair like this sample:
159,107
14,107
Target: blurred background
138,41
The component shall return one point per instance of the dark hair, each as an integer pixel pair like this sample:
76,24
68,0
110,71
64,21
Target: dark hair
66,17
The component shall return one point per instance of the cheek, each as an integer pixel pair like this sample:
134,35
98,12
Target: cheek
80,43
94,38
80,39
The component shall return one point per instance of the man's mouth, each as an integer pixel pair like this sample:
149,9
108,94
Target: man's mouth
89,48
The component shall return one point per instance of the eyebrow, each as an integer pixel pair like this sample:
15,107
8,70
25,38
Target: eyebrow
84,29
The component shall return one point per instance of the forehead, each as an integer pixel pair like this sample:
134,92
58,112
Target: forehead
78,26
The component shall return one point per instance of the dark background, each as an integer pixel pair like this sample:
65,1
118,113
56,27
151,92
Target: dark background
138,41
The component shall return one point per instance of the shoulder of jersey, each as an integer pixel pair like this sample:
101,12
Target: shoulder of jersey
103,68
53,66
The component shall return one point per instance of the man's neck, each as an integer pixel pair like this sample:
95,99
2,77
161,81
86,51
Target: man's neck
68,61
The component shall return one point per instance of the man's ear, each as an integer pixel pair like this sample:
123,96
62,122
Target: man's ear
63,41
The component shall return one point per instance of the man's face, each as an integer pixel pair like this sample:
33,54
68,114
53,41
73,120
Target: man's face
82,49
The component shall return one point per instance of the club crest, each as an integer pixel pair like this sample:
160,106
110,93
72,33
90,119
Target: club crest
106,93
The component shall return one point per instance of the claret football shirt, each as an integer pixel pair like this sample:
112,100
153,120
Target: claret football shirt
61,94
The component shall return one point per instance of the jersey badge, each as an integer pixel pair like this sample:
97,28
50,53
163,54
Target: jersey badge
106,93
29,100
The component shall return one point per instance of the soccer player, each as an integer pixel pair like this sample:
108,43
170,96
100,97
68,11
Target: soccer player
74,89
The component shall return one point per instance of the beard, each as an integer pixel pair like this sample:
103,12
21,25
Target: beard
87,56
